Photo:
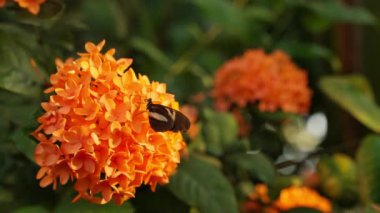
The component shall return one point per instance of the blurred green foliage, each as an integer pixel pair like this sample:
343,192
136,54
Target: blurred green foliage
182,43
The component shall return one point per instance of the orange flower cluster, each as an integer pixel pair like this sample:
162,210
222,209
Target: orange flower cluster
298,196
291,197
96,130
273,81
33,6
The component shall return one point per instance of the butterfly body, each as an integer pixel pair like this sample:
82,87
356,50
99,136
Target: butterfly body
163,118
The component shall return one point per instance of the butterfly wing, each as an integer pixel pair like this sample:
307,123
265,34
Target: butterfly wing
159,118
181,122
162,118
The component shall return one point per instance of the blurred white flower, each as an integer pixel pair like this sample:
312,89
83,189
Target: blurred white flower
316,125
303,137
306,136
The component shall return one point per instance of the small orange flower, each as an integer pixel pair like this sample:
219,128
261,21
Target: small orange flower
273,81
96,131
192,113
259,201
298,196
291,197
33,6
261,194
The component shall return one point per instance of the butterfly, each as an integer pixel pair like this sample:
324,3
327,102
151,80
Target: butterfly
163,118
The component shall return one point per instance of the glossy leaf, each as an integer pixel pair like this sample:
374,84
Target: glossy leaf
16,72
24,143
369,169
354,94
203,186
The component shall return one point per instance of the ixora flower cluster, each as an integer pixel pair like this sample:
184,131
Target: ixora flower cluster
33,6
289,198
96,130
271,80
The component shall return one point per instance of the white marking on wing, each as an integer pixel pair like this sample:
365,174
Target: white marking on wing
171,113
158,116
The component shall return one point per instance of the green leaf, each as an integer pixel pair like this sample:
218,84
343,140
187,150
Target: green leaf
106,17
305,50
257,13
153,52
354,94
338,12
24,143
257,165
203,186
219,130
225,14
31,209
369,169
16,72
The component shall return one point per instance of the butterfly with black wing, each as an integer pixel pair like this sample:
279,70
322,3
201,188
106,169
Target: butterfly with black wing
163,118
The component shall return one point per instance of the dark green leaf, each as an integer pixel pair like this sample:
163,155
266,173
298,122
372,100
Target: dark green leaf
150,50
225,14
203,186
31,209
305,50
106,17
258,13
162,199
219,131
24,143
338,12
369,169
83,206
256,164
16,72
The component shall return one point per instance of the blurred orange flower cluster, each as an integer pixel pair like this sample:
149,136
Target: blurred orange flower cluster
289,198
191,112
271,80
96,130
33,6
300,196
